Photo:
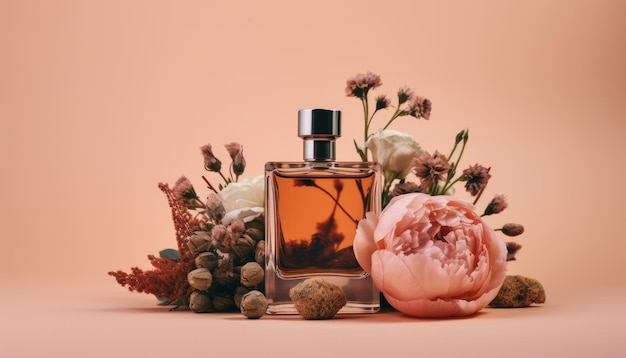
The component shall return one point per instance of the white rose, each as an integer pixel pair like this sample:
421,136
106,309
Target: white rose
395,151
244,200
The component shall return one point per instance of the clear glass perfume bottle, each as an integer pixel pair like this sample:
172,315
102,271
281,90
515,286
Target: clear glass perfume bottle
311,213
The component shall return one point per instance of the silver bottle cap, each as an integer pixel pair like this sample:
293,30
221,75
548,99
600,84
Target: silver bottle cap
319,128
319,122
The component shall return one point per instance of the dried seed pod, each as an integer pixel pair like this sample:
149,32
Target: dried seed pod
253,304
207,260
252,274
200,241
200,302
200,279
512,229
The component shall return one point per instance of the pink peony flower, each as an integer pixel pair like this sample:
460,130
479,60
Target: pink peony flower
431,256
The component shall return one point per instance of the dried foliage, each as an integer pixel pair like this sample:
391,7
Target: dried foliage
168,279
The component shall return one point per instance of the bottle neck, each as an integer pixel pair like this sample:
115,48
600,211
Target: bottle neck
319,150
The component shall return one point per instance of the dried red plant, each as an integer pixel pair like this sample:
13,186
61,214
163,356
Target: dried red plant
168,279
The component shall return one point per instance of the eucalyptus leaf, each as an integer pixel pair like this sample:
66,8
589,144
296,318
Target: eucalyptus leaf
170,254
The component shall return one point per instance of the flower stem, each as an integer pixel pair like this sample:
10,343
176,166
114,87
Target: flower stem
367,123
479,194
393,117
223,177
449,184
209,184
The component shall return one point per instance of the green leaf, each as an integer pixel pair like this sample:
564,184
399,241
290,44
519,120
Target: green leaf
169,254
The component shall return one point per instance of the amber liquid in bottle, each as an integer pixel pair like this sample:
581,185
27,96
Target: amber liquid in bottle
317,218
312,209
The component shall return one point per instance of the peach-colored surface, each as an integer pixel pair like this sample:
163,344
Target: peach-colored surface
99,101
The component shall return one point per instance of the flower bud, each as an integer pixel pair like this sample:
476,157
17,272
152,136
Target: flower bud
200,241
200,302
511,249
253,304
215,208
207,260
221,239
512,229
211,163
496,205
459,137
252,274
200,279
235,150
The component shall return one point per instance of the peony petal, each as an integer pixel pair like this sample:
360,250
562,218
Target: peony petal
391,274
437,308
412,277
364,244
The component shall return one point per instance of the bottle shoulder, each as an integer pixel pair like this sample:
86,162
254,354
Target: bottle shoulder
293,169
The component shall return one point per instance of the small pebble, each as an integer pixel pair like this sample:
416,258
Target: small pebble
316,298
519,291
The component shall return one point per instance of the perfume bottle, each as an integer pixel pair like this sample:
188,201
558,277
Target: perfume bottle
312,209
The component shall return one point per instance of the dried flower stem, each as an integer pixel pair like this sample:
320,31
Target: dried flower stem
209,184
395,115
464,136
479,194
367,126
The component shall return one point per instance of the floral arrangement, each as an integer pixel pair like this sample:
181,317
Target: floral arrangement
430,253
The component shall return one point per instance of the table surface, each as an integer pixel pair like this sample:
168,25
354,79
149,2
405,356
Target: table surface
95,321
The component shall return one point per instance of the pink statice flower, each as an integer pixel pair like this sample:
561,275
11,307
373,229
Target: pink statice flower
183,189
431,256
382,102
405,94
496,205
420,107
431,169
359,85
476,178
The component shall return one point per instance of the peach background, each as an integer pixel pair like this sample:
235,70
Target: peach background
99,101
